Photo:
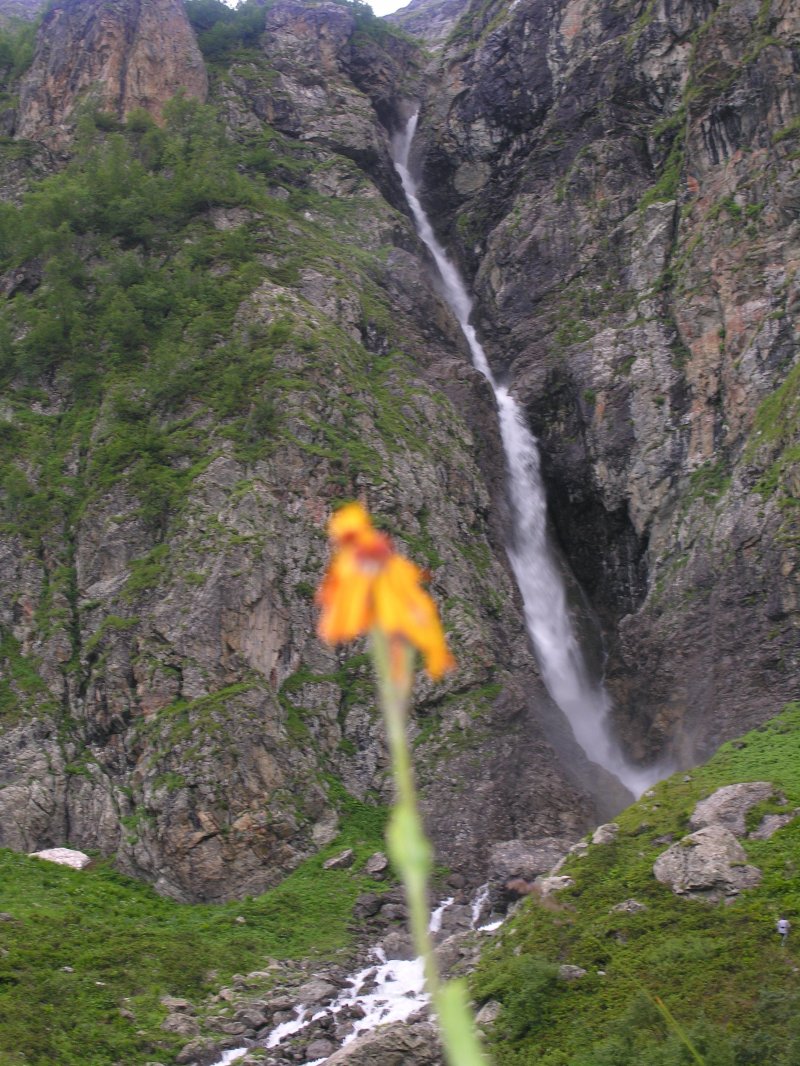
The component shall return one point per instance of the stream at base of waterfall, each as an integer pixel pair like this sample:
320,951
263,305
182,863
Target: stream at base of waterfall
384,991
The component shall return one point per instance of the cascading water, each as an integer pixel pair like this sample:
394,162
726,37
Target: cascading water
583,700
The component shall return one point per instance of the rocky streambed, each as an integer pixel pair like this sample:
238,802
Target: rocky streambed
367,1007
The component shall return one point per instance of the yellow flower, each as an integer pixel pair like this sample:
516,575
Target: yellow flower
370,586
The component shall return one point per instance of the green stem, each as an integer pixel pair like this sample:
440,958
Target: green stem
411,852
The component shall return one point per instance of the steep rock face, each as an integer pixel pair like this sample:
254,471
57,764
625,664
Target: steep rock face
118,56
19,9
263,340
620,179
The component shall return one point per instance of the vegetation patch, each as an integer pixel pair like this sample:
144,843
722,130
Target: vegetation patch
720,970
88,954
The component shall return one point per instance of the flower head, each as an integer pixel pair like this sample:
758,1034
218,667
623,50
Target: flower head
370,586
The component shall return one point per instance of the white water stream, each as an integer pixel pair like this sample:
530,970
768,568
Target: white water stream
385,991
583,700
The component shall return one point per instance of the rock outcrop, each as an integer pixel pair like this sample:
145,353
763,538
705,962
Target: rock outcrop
185,717
619,182
708,865
114,57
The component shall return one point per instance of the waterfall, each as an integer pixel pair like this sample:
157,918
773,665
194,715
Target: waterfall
582,699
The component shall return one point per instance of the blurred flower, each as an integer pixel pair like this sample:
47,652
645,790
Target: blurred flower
370,586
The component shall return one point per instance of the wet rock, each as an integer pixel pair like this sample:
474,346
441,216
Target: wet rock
319,1049
316,991
708,865
398,945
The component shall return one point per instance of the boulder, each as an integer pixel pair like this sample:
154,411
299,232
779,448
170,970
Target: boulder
399,1044
708,865
63,856
728,806
316,991
604,834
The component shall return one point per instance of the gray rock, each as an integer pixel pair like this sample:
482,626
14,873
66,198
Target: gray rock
771,823
604,834
399,1044
525,858
728,806
570,973
707,865
488,1014
547,886
629,906
319,1049
341,861
398,945
376,866
316,991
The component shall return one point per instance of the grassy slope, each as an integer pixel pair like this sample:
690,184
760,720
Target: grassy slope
719,969
127,947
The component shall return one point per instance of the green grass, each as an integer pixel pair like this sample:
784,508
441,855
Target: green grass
719,969
127,947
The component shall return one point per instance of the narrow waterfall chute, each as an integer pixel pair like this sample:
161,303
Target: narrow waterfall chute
581,698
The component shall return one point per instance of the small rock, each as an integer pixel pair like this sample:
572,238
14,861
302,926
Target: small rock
570,973
172,1003
394,912
549,885
180,1024
5,917
339,862
376,866
604,834
67,969
629,906
240,920
489,1013
771,823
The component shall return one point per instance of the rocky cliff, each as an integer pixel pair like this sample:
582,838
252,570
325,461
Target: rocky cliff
217,327
114,57
213,332
622,180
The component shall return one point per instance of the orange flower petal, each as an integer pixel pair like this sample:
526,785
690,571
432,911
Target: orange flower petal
403,607
345,598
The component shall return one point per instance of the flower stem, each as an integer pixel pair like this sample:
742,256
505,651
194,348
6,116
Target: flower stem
410,850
